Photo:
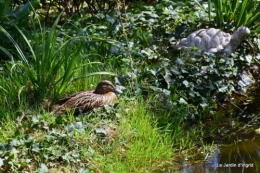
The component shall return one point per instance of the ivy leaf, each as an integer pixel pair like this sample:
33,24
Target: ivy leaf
61,119
186,83
78,125
36,119
43,168
248,58
258,57
175,71
182,101
36,147
167,77
100,130
223,89
1,162
179,61
152,15
204,103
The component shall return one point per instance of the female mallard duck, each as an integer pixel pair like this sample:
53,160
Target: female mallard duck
82,102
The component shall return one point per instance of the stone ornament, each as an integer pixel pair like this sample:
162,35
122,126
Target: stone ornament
214,40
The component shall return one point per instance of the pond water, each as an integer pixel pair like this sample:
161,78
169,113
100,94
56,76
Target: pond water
238,147
242,156
237,138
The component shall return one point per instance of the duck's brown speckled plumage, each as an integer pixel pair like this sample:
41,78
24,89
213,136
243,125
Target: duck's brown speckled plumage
85,101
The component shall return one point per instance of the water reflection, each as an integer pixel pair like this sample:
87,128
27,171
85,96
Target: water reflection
243,156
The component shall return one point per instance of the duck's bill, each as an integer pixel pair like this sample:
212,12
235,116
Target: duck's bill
116,90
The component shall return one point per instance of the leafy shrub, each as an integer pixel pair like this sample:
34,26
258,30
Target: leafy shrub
9,18
144,55
196,80
236,13
47,69
49,142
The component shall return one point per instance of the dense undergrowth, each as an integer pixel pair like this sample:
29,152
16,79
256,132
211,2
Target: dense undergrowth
168,94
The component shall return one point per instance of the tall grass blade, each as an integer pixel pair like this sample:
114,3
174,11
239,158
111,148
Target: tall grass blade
15,45
7,53
242,13
209,9
4,5
254,19
235,4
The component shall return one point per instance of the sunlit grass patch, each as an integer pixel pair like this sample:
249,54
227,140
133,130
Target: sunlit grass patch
162,117
126,138
139,145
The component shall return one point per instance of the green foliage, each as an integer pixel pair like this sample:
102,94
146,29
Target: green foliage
18,16
39,74
5,5
9,18
166,91
192,79
48,67
101,6
130,140
206,78
43,142
236,13
140,146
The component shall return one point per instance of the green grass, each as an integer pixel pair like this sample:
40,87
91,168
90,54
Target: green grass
238,13
140,146
48,66
141,135
123,139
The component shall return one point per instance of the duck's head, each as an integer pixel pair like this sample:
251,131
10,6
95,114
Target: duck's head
106,86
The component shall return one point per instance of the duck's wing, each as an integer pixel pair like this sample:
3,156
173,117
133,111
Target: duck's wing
69,102
65,99
82,102
85,102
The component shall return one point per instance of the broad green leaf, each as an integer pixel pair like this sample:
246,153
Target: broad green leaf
43,168
183,101
4,6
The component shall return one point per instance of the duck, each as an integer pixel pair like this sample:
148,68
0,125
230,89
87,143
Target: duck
212,40
86,101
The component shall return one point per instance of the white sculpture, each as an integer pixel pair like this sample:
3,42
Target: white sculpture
214,40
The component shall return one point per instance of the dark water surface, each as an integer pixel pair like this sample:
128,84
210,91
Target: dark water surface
236,153
237,139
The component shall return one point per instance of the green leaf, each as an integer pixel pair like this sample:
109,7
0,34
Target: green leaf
223,89
4,6
186,83
183,101
61,119
43,168
22,11
1,162
248,58
209,9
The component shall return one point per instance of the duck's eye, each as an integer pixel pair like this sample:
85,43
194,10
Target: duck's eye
105,86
